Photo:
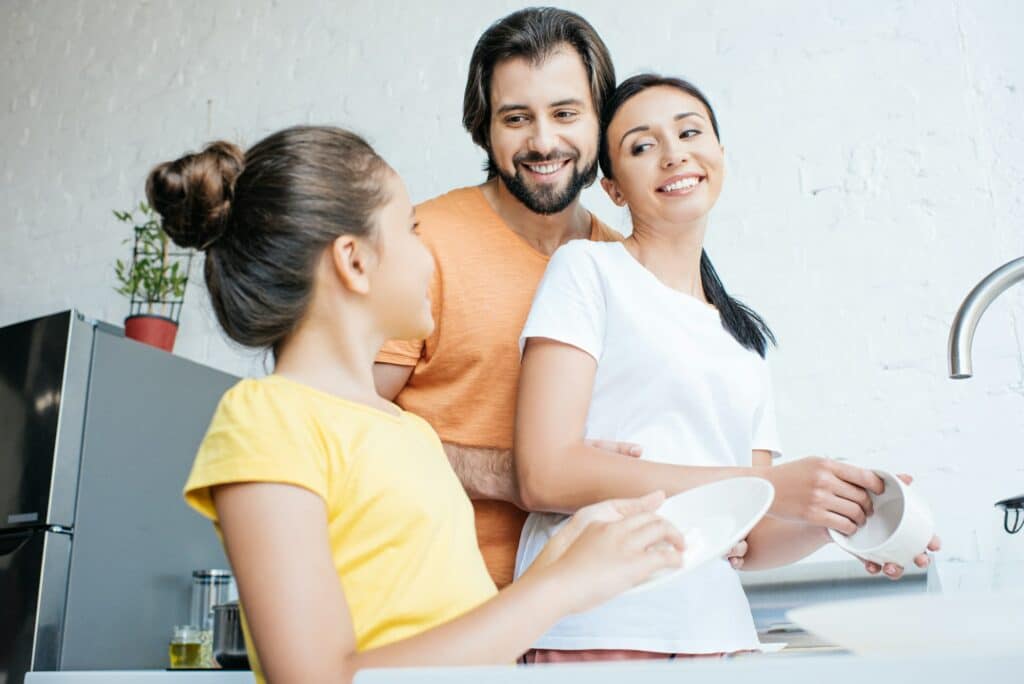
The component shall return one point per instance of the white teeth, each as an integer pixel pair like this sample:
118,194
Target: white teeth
545,168
688,182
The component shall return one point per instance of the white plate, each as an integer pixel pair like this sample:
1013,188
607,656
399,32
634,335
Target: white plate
713,518
904,625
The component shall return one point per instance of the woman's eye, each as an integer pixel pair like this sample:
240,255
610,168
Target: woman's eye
641,148
689,133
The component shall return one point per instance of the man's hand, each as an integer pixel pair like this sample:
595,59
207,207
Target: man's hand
623,448
922,560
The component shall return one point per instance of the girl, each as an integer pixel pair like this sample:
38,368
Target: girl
638,342
350,537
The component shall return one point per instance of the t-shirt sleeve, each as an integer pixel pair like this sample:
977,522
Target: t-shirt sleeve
569,305
256,435
766,433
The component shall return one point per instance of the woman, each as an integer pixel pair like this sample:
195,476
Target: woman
638,341
351,539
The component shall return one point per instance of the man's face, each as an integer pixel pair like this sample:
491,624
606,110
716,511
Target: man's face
544,130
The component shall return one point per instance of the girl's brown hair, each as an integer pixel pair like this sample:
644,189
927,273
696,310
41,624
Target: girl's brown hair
265,216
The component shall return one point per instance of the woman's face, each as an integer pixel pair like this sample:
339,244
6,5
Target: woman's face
667,162
401,279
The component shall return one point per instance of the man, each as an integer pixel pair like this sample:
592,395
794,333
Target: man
537,80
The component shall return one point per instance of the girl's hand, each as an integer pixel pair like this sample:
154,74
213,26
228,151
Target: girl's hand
607,558
823,493
736,555
609,547
605,511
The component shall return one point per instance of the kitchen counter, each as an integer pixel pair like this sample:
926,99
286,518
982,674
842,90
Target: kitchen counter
142,677
770,669
935,668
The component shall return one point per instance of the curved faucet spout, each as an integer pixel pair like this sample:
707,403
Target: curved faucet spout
961,334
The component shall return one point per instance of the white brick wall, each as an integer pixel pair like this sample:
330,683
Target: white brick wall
875,175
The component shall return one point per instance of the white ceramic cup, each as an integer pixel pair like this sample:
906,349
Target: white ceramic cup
898,530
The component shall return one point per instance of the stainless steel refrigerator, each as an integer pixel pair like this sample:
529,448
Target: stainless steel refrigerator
97,434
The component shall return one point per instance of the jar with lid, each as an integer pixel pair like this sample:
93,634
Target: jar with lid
209,588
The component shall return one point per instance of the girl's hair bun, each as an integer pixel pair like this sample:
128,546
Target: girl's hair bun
193,194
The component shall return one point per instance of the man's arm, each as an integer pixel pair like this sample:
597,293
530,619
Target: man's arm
485,473
390,378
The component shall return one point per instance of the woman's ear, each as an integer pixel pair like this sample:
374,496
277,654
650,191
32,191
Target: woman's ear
612,188
352,260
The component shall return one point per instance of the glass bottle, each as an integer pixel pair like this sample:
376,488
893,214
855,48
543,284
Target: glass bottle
209,588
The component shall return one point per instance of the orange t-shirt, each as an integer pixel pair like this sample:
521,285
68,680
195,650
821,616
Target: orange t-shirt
467,372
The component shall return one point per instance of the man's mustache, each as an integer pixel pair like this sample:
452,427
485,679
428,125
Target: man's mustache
538,158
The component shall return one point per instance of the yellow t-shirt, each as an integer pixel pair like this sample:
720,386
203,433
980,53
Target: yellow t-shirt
400,525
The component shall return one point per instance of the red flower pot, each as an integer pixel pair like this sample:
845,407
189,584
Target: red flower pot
156,331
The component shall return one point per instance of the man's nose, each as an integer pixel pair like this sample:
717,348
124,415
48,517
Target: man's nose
543,139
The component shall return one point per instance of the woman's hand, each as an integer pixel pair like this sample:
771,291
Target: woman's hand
922,560
821,492
609,547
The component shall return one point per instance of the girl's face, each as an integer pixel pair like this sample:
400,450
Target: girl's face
400,281
667,162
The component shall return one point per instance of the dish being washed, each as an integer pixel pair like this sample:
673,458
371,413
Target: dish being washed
713,518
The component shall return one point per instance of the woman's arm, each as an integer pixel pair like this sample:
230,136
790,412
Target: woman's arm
276,540
557,470
775,542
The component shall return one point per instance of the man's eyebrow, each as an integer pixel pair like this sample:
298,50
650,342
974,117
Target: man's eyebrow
510,108
561,103
637,129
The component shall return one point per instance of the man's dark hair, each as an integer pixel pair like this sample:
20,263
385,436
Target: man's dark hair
532,34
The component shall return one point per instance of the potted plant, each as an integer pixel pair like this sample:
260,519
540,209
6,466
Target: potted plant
154,281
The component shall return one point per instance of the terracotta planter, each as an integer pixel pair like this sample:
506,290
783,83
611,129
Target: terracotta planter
156,331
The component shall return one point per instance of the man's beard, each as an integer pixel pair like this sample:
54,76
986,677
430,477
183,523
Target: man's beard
545,199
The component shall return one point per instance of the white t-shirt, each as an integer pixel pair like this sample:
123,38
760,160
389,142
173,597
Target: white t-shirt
671,379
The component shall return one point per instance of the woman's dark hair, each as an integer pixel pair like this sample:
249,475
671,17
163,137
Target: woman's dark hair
532,34
264,218
742,322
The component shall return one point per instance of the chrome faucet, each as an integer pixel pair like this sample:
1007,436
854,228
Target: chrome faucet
961,335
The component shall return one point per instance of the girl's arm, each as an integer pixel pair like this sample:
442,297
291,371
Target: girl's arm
295,607
558,472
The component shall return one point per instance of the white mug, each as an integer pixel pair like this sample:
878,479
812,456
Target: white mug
898,530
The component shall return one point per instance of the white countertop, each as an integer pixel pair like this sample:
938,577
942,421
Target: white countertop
142,677
934,668
834,669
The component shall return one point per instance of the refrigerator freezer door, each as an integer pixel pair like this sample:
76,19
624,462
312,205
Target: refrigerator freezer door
44,372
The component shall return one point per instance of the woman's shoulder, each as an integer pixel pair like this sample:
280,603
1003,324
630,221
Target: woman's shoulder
585,252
